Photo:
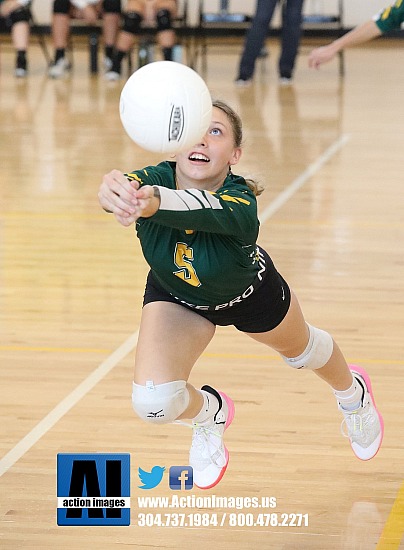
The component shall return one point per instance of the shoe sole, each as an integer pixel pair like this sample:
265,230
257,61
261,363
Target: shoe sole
110,78
243,84
230,416
365,376
59,74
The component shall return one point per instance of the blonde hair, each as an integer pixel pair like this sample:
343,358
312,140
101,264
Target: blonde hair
237,127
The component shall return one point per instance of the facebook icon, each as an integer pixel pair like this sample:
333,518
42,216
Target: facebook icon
181,477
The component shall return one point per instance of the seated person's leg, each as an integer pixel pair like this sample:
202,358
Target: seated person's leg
60,35
132,19
111,21
17,17
165,12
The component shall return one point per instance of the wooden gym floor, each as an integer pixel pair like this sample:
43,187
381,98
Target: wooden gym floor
330,152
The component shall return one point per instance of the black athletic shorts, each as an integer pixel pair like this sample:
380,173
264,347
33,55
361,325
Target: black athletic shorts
263,309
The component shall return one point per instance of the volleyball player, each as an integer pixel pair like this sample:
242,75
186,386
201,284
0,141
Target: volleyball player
198,227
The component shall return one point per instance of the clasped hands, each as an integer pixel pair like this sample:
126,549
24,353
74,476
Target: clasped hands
127,200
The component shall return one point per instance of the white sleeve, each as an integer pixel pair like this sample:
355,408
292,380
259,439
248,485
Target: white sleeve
190,199
24,2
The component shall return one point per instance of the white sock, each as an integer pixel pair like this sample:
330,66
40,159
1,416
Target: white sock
209,408
350,399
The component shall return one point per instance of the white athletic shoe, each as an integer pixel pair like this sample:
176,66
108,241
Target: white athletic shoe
20,72
243,82
364,427
58,69
21,67
208,455
112,76
285,81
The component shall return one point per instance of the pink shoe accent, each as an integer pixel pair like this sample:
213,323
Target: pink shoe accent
230,408
229,420
365,376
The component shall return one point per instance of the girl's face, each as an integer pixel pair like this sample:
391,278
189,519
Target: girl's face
207,163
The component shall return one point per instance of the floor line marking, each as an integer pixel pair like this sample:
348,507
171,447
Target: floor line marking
393,530
67,403
298,183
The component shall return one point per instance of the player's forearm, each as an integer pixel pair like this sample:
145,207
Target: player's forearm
363,33
200,210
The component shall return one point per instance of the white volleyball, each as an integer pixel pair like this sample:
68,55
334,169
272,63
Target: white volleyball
165,107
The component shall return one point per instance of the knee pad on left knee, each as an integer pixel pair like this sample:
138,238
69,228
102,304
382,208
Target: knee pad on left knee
317,353
160,403
164,21
112,6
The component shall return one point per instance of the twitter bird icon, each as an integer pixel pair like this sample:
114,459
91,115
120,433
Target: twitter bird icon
151,479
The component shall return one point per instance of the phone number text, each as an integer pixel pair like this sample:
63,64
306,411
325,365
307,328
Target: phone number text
226,519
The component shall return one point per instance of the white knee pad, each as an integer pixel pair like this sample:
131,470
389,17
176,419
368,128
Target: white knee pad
160,403
317,353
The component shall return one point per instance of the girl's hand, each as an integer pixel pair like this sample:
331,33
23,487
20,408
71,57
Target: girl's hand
126,200
321,55
118,195
147,201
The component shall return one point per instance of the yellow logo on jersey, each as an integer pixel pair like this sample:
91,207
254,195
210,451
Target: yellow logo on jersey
183,258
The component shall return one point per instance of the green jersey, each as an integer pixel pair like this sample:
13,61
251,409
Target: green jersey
390,18
200,245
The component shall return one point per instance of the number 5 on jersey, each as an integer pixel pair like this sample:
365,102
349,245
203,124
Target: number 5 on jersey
183,258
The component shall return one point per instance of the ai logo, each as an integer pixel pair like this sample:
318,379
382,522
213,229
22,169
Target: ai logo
93,489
